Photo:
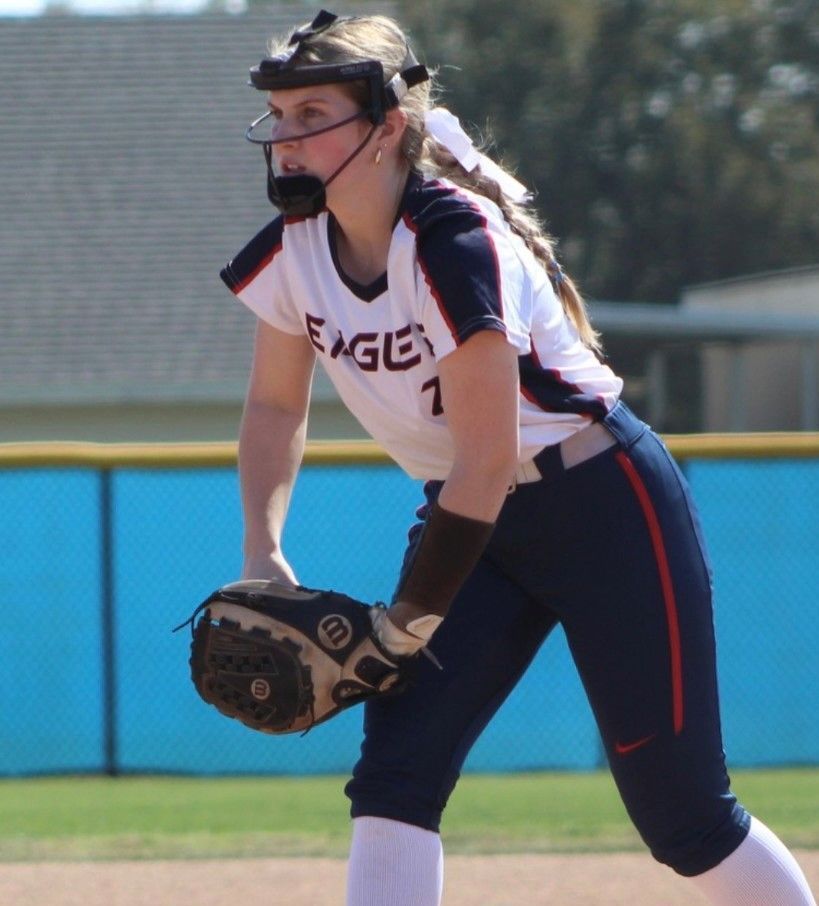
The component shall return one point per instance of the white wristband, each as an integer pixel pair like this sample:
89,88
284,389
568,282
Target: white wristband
405,642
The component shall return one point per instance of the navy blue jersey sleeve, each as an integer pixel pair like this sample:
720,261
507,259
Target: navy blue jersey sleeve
257,277
461,269
241,270
473,277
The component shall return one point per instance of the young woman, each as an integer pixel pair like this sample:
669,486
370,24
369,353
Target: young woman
408,263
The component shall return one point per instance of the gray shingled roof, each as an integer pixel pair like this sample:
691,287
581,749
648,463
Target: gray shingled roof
125,185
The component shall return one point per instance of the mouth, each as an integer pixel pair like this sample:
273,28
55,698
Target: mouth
286,168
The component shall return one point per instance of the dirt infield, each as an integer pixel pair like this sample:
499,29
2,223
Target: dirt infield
533,880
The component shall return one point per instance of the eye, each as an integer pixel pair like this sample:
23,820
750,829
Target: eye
311,112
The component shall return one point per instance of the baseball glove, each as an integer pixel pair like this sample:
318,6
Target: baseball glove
282,659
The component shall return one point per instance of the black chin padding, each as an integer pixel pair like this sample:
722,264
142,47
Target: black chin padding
297,196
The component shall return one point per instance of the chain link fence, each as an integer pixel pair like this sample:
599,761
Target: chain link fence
100,562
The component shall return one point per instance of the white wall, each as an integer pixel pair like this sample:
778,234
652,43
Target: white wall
760,386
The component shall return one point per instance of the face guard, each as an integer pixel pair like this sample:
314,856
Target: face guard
302,195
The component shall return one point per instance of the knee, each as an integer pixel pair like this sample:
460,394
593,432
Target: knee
405,799
692,841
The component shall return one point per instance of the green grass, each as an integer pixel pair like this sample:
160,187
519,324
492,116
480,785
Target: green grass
164,817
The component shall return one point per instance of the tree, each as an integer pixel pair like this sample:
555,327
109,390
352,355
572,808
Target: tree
670,142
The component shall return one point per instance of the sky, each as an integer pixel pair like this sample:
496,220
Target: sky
34,7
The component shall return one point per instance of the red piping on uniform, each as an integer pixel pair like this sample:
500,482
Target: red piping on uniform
258,269
665,581
411,225
554,372
476,209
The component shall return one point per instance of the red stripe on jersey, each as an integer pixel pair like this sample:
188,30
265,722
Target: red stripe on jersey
410,224
547,389
484,226
527,394
257,270
666,583
553,372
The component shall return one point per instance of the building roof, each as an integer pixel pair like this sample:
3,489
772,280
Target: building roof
789,292
807,271
672,323
126,185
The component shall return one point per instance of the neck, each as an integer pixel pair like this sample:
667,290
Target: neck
365,225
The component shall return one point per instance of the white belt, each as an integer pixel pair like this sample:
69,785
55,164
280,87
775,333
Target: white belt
576,448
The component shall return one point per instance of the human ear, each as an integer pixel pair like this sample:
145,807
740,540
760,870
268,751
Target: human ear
392,129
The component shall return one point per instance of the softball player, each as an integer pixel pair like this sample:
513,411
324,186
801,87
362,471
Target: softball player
407,264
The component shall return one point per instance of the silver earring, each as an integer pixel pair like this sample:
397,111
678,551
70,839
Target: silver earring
378,157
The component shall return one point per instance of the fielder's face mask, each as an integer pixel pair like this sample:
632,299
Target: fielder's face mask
300,194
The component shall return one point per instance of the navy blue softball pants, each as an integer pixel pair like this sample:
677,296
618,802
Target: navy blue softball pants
612,550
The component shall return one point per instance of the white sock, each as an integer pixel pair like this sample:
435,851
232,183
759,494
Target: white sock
759,872
394,864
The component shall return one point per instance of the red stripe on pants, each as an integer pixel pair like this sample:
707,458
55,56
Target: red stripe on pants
665,581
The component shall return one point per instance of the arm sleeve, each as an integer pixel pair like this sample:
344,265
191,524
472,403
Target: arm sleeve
472,279
257,277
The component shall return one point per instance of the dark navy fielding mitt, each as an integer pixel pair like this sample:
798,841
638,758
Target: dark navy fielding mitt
282,659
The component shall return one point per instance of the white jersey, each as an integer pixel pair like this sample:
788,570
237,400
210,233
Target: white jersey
454,268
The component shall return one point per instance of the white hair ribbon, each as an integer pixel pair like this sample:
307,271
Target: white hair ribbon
446,129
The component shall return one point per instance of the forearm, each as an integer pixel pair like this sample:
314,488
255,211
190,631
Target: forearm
480,389
477,487
271,445
457,530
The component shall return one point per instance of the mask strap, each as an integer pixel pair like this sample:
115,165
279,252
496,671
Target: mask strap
355,153
412,73
446,129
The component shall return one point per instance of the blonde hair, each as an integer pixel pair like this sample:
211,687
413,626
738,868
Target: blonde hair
381,38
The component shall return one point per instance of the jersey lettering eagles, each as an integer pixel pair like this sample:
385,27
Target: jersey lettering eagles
454,268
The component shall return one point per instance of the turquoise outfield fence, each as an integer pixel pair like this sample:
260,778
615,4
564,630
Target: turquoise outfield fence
101,559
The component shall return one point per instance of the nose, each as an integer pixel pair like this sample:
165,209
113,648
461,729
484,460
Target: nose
287,142
284,132
283,144
283,149
282,138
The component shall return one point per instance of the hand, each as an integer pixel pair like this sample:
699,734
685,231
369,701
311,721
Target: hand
269,566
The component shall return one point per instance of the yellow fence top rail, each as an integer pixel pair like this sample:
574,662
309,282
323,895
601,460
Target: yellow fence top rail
172,455
761,445
191,455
